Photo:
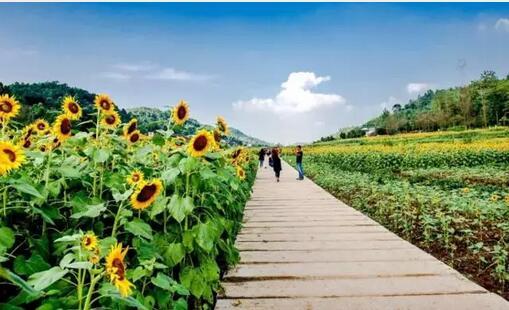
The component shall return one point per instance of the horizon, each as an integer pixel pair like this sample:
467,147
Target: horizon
269,69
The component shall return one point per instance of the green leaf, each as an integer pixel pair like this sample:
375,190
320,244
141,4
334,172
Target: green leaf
90,211
180,304
158,206
12,277
121,197
170,175
80,265
162,281
205,235
138,273
70,172
174,253
176,207
192,280
7,239
41,280
101,155
27,189
139,228
71,238
188,205
158,139
30,266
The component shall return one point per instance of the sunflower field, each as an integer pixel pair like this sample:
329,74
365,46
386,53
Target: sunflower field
447,193
115,218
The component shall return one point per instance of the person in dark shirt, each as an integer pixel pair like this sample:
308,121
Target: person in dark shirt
276,163
298,155
261,157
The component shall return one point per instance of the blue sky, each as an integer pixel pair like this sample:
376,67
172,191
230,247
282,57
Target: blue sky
282,72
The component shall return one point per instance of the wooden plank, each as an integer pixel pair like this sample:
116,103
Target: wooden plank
301,248
427,302
263,257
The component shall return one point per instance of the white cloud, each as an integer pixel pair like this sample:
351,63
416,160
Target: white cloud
417,88
144,66
177,75
115,76
502,24
296,96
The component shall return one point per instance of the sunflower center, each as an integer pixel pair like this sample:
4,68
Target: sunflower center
65,126
217,136
117,263
134,137
41,126
6,107
200,143
146,193
110,119
10,154
73,107
88,241
236,154
27,144
181,112
131,128
136,178
105,105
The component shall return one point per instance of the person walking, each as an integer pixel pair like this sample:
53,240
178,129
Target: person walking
276,163
261,157
298,159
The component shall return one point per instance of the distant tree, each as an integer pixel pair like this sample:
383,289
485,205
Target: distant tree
396,108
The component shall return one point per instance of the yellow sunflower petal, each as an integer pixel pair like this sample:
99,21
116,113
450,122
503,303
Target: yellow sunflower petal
104,103
62,127
9,107
180,113
111,120
71,108
145,194
11,157
201,143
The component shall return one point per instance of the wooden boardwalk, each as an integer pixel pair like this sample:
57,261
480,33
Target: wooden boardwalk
301,248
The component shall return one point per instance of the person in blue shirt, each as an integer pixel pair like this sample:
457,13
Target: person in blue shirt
298,155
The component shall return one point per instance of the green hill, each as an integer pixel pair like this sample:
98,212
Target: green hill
43,100
480,104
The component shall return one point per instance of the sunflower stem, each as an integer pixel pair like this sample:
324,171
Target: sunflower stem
93,282
115,222
5,201
48,168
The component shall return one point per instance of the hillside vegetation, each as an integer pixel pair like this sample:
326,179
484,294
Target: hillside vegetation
480,104
43,101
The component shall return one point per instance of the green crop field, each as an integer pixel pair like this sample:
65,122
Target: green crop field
446,192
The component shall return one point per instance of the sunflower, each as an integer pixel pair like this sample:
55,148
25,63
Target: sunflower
9,107
95,256
104,103
40,126
201,143
146,193
11,157
217,136
71,108
111,120
135,177
130,127
62,127
222,126
116,269
27,132
26,143
241,173
89,242
180,113
134,136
